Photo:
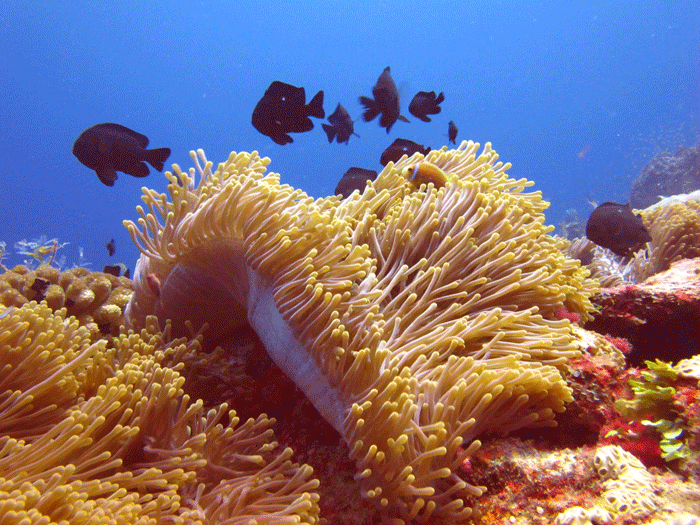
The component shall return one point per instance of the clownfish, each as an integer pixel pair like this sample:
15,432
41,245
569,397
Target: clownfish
425,173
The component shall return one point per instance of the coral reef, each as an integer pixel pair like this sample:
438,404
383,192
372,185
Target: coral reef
423,318
667,174
661,407
660,317
630,489
594,485
416,316
674,225
105,433
96,299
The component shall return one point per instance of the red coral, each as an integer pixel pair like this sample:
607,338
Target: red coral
563,313
647,449
621,344
636,438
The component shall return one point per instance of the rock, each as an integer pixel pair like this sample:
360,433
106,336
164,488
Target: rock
667,174
660,317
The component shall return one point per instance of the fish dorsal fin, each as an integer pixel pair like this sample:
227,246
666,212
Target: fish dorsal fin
315,106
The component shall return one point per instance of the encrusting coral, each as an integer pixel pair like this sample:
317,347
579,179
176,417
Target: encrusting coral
96,299
104,433
416,315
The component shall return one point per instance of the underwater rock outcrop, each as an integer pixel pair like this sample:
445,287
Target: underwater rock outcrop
667,174
660,317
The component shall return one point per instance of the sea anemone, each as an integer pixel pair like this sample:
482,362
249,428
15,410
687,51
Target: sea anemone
416,316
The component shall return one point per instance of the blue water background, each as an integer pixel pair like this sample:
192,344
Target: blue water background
578,96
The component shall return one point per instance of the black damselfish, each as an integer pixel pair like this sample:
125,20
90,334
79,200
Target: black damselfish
386,101
426,103
108,148
342,126
283,109
117,270
615,227
354,179
452,132
401,147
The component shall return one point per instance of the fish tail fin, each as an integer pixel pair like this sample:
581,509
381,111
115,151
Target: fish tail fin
157,157
371,108
440,98
315,107
330,131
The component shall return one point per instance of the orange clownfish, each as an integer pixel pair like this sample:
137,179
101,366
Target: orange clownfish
425,173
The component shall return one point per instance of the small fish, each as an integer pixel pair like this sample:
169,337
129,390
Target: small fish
615,227
283,109
342,126
354,179
452,132
399,148
386,101
425,173
108,148
426,103
116,270
111,247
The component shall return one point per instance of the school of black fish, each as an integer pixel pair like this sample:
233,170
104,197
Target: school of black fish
107,148
283,110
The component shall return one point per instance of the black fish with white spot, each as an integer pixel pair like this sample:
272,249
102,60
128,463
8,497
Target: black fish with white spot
283,110
354,179
108,148
401,147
